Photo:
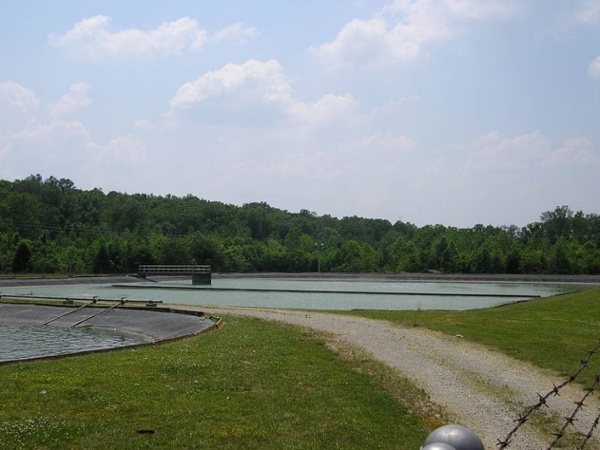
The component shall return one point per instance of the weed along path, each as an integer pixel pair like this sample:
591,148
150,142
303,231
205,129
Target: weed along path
483,390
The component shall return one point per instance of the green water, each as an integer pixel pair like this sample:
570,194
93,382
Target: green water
312,294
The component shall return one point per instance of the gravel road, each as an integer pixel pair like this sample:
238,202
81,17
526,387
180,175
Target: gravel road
481,389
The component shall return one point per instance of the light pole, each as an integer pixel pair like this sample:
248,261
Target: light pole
319,246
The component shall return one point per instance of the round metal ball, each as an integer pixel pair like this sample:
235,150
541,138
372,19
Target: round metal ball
457,437
438,447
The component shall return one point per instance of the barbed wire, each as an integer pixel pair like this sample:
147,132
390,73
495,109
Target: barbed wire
589,434
523,418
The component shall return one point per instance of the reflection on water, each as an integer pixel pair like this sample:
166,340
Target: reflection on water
28,341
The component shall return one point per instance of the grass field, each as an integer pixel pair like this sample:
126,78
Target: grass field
250,385
257,385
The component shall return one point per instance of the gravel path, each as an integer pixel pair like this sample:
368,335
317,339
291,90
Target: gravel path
481,389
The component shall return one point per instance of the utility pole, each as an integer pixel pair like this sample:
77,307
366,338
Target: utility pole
319,246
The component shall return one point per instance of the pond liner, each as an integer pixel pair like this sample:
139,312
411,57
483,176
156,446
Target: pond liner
156,324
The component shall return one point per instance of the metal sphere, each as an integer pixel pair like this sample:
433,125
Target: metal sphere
457,437
440,446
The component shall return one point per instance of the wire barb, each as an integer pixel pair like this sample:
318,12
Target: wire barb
523,418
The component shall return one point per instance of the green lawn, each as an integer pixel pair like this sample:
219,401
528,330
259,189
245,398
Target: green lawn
251,384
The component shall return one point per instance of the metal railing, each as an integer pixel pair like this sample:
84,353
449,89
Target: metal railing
173,269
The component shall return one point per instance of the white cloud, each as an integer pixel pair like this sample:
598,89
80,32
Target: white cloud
52,131
255,92
75,100
403,30
478,10
501,176
590,12
594,68
53,147
389,144
578,151
142,124
292,165
46,140
90,39
326,108
235,33
497,157
360,43
378,158
17,98
19,107
494,152
125,149
253,80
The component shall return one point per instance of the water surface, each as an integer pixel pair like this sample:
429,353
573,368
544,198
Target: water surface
24,341
312,294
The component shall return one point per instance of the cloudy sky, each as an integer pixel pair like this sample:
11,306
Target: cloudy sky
428,111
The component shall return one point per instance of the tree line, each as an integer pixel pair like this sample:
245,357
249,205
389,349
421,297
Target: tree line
50,226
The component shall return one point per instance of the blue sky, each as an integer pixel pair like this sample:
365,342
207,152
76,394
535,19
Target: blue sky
456,112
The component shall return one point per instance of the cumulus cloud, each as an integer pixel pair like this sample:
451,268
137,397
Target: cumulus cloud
594,68
75,100
52,131
125,149
326,108
253,80
403,30
49,138
55,145
256,87
18,107
35,124
91,39
532,151
499,173
235,33
17,98
577,151
494,152
377,156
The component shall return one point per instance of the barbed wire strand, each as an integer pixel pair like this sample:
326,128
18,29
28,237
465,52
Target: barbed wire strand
570,419
523,418
588,436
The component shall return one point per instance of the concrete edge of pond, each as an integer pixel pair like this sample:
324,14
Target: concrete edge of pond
156,324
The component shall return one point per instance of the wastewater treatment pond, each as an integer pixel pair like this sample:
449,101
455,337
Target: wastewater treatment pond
19,341
319,294
30,330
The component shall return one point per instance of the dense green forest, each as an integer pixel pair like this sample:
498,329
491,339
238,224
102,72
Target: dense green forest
50,226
